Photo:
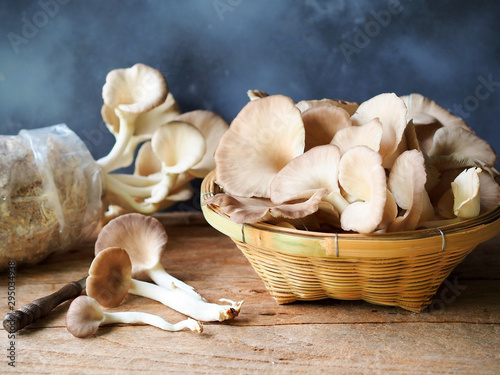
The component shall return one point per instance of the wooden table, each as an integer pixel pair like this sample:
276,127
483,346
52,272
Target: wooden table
460,333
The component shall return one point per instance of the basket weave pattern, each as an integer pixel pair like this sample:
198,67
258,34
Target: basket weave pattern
397,269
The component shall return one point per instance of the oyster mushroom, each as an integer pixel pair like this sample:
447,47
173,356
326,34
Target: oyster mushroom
349,107
110,280
407,183
85,316
145,239
304,175
391,112
130,92
465,188
262,139
370,135
362,176
253,210
427,112
212,127
457,141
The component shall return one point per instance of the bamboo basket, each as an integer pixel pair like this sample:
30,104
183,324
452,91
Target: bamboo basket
398,269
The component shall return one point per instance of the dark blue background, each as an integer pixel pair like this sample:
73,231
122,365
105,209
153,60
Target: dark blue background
212,52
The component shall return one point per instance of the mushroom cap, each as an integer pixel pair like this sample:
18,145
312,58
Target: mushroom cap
361,175
489,191
143,237
179,146
407,184
304,175
391,111
84,316
212,127
456,140
146,162
256,94
322,122
467,200
425,111
110,276
262,139
349,107
134,90
251,210
369,134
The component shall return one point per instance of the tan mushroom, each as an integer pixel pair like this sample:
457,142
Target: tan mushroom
252,210
110,275
456,140
304,175
391,112
85,316
262,139
349,107
407,183
128,93
145,240
212,127
370,135
362,176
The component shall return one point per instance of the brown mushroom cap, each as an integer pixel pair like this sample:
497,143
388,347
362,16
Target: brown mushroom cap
143,237
84,317
110,277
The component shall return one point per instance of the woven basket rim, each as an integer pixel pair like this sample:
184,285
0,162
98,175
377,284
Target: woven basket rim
468,234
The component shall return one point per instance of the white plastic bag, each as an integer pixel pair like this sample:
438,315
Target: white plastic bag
50,193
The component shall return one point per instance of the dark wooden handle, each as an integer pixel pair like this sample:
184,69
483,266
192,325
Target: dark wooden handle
40,307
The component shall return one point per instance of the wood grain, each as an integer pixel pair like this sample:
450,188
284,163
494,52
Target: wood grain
460,333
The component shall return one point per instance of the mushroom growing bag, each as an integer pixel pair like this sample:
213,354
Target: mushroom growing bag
50,193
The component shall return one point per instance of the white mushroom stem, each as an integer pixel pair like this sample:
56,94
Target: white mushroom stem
110,162
182,302
134,317
162,278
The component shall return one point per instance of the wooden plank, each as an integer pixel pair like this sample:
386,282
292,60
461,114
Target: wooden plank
460,333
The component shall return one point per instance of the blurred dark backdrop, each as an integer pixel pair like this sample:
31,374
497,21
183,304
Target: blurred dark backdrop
55,54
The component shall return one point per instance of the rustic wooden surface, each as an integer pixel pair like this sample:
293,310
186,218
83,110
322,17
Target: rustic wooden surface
460,333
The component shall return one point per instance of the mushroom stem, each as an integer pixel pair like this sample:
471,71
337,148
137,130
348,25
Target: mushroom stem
182,302
110,161
161,277
138,181
114,188
133,191
131,317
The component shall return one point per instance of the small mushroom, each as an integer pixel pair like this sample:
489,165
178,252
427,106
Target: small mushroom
407,183
110,279
465,188
391,112
370,135
130,92
304,175
362,176
262,139
85,316
144,238
179,146
212,127
456,140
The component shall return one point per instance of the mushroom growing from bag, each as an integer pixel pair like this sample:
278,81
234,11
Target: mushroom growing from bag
54,192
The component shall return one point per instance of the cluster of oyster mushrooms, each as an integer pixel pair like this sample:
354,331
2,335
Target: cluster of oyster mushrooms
128,249
388,164
175,148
